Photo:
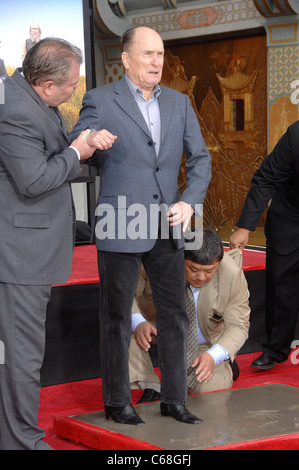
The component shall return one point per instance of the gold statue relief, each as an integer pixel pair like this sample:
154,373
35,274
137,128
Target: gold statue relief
281,114
227,86
237,90
174,77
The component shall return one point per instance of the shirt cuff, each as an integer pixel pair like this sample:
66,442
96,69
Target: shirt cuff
76,150
218,353
137,318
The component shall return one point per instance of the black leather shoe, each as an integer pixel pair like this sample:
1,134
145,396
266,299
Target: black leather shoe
123,415
149,395
180,413
264,361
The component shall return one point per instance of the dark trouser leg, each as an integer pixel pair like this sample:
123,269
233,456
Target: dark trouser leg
282,302
118,276
166,270
22,330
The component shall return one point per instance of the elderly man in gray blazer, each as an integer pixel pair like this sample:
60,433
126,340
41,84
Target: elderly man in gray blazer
37,216
153,125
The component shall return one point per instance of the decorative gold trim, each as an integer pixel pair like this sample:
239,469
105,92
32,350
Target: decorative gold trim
167,4
122,7
277,41
266,5
106,48
101,25
237,82
285,9
288,7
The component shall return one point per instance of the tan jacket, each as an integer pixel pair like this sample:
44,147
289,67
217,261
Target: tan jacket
223,305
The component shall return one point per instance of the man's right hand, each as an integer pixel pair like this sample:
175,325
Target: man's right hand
239,239
88,142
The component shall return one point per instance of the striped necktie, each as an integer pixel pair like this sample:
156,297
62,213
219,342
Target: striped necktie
192,348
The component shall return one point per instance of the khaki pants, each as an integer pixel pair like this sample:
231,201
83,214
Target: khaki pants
140,366
222,376
141,369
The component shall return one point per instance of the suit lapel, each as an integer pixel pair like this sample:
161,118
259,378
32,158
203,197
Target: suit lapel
166,110
49,112
125,99
207,298
60,121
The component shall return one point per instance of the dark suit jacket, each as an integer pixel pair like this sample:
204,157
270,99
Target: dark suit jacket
132,171
277,180
36,210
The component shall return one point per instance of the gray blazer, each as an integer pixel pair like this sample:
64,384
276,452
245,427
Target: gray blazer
36,209
132,176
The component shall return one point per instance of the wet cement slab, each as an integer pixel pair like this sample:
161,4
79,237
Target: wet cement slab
229,417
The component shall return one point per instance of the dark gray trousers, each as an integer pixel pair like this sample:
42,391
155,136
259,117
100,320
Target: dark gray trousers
22,332
118,276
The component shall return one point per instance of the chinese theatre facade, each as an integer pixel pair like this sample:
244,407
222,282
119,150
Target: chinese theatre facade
238,61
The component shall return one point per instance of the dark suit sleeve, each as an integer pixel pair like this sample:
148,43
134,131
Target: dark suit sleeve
274,171
90,118
24,154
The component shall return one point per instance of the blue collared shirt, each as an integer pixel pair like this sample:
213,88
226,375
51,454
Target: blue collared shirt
150,111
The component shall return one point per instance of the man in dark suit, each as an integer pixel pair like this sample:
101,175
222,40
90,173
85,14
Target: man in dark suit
277,180
37,215
153,125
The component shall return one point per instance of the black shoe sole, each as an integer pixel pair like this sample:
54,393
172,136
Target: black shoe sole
263,367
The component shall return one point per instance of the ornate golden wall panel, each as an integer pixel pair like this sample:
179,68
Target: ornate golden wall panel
221,76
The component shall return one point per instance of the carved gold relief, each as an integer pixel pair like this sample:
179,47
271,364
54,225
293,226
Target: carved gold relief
221,75
174,77
281,114
238,87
